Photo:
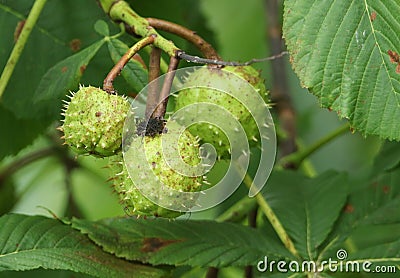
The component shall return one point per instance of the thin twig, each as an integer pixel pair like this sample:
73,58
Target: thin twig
166,88
272,217
25,160
238,211
20,44
199,60
205,48
116,70
154,73
163,63
297,158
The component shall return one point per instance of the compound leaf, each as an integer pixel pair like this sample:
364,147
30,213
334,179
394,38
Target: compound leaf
194,243
101,28
307,208
30,242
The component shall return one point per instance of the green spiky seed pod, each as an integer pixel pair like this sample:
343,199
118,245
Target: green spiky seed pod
94,121
210,133
132,199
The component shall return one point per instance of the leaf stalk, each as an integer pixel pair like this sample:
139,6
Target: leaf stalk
20,44
298,157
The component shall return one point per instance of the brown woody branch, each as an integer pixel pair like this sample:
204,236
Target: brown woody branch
280,89
205,48
166,88
116,70
154,73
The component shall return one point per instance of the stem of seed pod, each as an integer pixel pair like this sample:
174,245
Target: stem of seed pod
120,11
116,70
208,51
154,73
166,88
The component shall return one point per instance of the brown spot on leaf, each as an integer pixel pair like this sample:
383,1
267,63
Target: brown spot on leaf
398,69
64,69
98,114
386,189
372,17
18,29
348,208
154,244
82,69
394,56
75,45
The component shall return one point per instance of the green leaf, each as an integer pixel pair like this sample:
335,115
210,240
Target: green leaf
340,51
375,203
101,27
64,76
388,158
189,242
134,72
384,254
62,29
307,208
17,132
30,242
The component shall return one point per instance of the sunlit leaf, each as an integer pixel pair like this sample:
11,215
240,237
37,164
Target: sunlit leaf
101,27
